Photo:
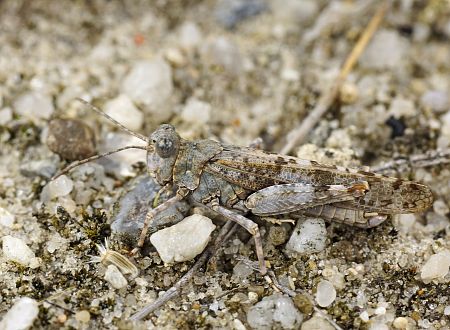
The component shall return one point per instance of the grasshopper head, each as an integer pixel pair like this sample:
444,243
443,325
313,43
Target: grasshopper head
165,143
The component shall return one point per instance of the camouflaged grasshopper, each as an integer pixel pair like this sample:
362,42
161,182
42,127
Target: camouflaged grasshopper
238,181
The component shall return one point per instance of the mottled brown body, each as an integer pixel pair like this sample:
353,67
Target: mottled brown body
209,171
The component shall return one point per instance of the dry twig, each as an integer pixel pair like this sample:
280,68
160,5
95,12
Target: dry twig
297,135
176,288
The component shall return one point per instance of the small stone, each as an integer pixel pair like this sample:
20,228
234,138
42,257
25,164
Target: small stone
401,107
231,12
237,325
278,235
309,236
348,93
6,116
44,168
440,207
274,311
387,50
34,105
447,310
115,277
436,100
380,310
185,240
436,266
83,316
196,112
406,222
149,84
317,323
14,249
364,316
125,112
378,326
61,186
71,139
6,218
224,53
400,323
21,315
190,36
326,293
242,270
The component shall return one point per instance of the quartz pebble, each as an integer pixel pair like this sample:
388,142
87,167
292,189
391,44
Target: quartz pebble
14,249
125,112
6,218
44,168
436,266
436,100
115,277
34,105
185,240
317,323
275,311
149,84
5,115
190,36
196,112
71,139
386,50
326,293
21,315
308,236
61,186
447,310
83,316
400,323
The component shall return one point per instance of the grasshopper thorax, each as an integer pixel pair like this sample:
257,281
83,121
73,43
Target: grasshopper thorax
161,158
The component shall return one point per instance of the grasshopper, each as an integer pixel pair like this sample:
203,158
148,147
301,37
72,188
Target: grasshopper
239,181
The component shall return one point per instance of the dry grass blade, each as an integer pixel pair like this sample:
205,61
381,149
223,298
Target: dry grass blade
297,135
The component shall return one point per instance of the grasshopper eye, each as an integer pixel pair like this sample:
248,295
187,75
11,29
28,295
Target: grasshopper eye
165,147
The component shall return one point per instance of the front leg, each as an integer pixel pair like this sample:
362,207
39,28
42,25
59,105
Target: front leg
180,194
249,225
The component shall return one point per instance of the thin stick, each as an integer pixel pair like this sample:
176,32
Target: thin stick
87,160
431,158
298,135
101,113
176,289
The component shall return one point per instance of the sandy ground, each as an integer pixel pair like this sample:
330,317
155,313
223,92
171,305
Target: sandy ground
219,74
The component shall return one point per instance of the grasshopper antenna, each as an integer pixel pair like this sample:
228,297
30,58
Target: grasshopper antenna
87,160
101,113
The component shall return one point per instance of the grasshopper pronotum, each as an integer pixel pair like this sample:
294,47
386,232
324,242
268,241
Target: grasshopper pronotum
237,181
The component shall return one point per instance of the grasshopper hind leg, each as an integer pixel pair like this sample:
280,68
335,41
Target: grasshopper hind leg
249,225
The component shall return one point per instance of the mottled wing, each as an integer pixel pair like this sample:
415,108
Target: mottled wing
255,170
292,197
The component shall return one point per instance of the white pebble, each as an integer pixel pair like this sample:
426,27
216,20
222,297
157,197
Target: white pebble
196,112
378,326
436,266
326,293
190,36
83,316
447,310
401,107
317,323
438,101
185,240
21,315
61,186
380,310
406,222
6,218
34,105
386,50
115,277
440,207
125,112
364,316
14,249
274,312
5,115
149,84
400,323
309,236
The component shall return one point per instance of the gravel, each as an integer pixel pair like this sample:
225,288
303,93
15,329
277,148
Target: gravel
15,249
309,236
21,315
